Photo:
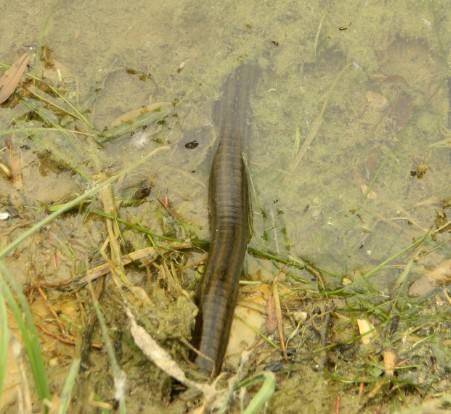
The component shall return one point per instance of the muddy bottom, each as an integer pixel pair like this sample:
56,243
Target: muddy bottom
106,140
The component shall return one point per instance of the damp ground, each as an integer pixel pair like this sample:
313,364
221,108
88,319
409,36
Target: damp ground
106,145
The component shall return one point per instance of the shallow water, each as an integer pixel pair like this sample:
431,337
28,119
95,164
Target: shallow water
352,200
349,154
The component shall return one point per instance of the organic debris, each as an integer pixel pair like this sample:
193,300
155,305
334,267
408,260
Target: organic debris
11,79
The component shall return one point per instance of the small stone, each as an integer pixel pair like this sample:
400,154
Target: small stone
4,215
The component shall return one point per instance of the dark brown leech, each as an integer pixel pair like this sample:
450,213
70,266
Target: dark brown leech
229,218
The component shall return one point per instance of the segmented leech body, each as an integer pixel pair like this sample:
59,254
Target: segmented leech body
229,218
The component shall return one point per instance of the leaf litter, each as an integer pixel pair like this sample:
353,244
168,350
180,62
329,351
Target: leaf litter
11,79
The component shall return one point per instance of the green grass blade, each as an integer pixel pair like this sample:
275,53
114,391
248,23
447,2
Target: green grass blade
22,315
76,111
264,393
395,256
153,117
51,101
4,338
31,130
68,386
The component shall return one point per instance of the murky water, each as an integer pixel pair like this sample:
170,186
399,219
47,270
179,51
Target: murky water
349,155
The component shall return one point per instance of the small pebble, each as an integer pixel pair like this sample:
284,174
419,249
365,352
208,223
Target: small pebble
4,215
